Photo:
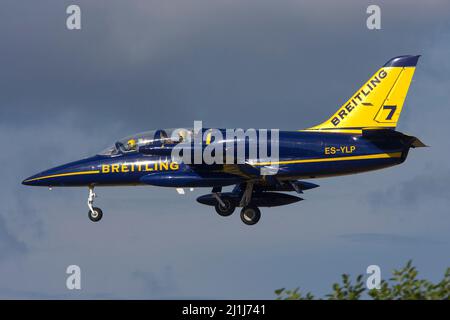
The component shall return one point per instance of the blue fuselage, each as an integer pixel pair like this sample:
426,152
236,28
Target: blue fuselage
302,155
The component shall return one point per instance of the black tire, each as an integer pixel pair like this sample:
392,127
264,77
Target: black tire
250,215
227,210
96,215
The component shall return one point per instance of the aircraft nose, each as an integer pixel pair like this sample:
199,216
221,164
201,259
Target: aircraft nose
77,173
35,180
46,178
27,181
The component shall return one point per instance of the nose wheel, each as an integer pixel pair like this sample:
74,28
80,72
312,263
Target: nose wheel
95,214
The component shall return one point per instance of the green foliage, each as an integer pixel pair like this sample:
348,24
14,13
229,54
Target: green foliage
403,285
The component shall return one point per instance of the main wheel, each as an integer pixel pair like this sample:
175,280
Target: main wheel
250,215
95,215
226,210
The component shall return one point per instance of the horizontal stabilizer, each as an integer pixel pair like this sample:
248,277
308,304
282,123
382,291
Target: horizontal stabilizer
416,143
370,133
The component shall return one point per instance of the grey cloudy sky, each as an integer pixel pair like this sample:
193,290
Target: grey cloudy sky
140,65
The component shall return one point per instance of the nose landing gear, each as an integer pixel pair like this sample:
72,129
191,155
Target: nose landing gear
95,214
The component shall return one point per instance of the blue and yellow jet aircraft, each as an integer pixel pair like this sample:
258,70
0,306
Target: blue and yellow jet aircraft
359,137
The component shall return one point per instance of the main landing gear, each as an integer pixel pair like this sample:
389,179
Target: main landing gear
224,207
95,214
250,214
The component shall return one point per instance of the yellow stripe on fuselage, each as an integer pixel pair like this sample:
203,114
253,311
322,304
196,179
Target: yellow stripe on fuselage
352,131
364,157
64,175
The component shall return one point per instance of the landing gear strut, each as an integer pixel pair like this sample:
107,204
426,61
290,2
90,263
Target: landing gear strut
224,207
250,214
247,196
241,196
95,214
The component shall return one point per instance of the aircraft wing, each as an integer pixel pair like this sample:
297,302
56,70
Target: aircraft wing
266,182
244,170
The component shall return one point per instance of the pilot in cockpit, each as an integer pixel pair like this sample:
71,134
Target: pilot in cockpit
131,145
181,136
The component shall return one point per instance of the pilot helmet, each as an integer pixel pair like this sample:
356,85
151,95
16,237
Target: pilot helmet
131,144
182,135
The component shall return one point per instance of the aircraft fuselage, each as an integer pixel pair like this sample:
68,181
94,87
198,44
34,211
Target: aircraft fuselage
302,155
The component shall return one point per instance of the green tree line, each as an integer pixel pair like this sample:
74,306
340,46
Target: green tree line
403,285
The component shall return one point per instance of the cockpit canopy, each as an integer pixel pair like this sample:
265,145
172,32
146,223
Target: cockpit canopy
158,137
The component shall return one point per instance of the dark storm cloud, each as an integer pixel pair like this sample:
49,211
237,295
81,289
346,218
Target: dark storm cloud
166,62
139,65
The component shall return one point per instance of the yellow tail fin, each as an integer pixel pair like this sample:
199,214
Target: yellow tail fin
379,102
